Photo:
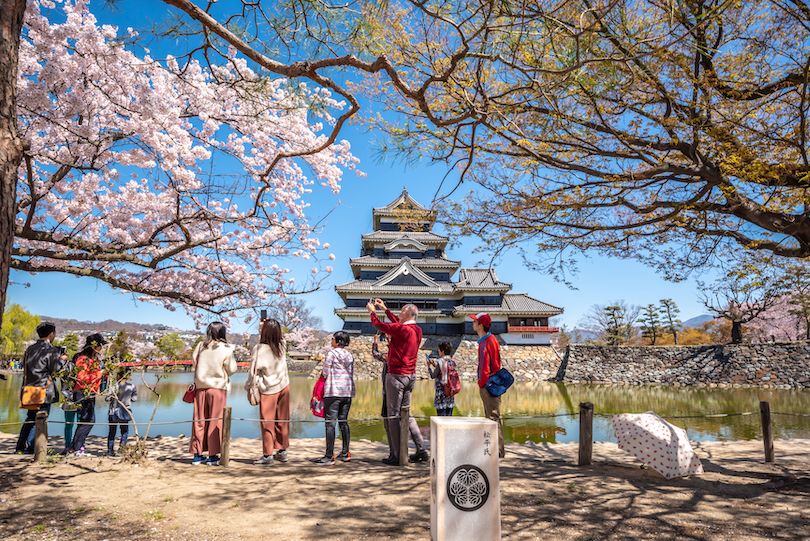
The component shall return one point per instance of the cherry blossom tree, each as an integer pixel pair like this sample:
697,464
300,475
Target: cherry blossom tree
117,182
308,339
139,349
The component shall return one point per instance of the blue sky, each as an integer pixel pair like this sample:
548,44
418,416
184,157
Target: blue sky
600,280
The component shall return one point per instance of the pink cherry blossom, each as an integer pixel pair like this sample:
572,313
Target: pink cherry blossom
116,185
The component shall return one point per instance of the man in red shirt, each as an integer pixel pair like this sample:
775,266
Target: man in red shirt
403,348
489,362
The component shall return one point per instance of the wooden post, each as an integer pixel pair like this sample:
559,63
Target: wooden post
41,435
767,433
404,434
226,436
585,433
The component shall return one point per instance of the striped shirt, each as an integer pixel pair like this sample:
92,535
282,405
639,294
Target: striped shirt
339,371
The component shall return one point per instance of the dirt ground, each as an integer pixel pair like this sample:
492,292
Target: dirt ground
544,495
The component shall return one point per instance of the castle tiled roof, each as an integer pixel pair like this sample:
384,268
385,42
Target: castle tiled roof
480,279
360,311
425,237
382,284
431,263
513,303
360,286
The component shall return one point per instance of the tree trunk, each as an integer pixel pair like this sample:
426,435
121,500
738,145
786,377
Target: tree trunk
11,147
736,332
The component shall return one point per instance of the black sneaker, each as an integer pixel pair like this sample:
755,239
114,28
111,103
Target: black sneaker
391,461
324,461
421,456
347,457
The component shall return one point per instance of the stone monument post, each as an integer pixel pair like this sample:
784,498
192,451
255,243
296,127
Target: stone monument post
465,502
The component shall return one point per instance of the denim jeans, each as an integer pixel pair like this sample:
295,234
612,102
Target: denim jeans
87,416
114,423
25,442
336,408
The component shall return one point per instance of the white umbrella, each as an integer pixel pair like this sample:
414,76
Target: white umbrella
662,446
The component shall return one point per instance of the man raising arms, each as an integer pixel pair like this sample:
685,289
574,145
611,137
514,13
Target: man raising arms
403,348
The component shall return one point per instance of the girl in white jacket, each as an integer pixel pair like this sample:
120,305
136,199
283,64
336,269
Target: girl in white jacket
268,372
213,363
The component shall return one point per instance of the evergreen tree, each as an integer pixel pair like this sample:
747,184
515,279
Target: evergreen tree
70,342
650,323
119,349
616,324
669,310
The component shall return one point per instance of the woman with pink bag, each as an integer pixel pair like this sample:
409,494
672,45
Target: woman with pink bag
268,374
213,363
338,370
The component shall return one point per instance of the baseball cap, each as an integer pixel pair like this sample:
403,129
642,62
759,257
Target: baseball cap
94,340
483,318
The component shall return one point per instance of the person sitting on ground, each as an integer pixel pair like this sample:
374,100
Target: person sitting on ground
438,370
88,375
125,393
268,372
338,369
403,347
41,361
213,363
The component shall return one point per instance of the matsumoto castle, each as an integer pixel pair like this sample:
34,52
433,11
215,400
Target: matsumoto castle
404,262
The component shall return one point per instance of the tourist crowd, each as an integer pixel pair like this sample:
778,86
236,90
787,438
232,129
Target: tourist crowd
84,377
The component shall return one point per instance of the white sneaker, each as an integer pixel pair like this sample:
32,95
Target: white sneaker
265,461
81,452
281,456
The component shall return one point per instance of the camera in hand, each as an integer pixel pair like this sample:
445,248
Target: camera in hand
264,314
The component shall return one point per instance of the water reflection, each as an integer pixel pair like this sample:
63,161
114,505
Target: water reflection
523,400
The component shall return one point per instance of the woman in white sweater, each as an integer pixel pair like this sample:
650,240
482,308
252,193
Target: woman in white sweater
268,372
213,364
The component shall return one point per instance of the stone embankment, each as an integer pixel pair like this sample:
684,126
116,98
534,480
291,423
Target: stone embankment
773,365
527,363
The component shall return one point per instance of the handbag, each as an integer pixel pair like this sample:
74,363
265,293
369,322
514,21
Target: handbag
453,385
191,392
251,385
500,381
33,396
316,405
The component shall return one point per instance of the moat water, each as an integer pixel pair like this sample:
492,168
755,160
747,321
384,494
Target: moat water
522,405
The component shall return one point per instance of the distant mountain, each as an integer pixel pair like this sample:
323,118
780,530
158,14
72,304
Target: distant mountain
108,325
697,321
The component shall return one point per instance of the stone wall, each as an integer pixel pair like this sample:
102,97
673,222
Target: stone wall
527,363
774,365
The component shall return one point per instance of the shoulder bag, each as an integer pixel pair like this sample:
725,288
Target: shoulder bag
252,386
500,381
33,397
453,385
191,392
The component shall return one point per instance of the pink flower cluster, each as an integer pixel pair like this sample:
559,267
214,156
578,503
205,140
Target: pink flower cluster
119,183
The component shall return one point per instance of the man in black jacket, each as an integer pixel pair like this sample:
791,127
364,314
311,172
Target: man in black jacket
42,360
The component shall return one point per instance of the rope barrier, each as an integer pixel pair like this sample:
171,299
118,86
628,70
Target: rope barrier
370,419
793,414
